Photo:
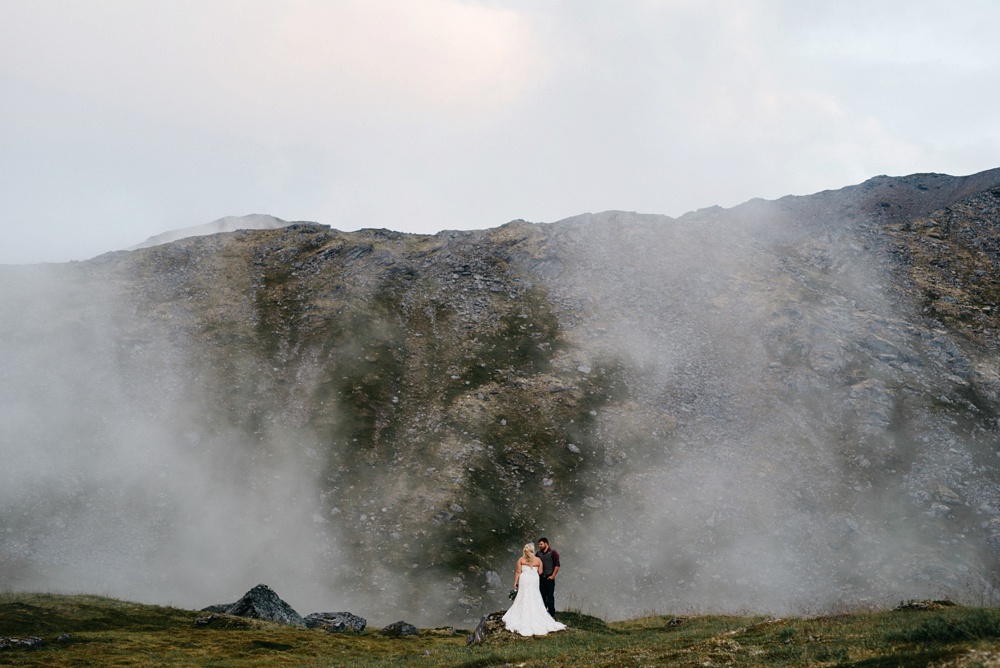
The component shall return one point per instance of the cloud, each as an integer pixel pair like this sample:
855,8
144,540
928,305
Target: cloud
125,119
917,33
687,105
247,64
391,55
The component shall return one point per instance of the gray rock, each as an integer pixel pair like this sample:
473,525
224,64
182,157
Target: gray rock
336,622
493,580
939,510
945,494
399,629
260,603
19,643
490,627
993,531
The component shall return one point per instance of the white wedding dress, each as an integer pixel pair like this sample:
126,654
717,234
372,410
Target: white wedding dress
528,615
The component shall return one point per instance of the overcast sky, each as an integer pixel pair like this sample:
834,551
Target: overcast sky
123,119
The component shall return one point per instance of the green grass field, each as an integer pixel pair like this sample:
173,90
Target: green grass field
109,632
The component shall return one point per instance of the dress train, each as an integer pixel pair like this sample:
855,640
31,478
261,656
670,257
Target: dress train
527,615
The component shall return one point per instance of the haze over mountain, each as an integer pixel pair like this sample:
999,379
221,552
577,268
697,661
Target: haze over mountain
254,221
785,406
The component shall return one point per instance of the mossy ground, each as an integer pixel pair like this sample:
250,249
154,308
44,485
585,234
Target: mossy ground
109,632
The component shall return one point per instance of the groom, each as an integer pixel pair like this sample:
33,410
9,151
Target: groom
550,566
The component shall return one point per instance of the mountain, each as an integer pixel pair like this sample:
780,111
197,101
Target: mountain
786,406
254,221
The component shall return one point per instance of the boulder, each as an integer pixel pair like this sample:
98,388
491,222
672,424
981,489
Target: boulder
491,627
260,603
399,629
923,605
230,622
493,581
336,622
947,495
14,643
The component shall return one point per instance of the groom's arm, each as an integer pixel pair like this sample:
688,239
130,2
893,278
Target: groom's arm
555,565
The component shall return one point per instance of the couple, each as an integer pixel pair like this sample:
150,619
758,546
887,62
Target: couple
535,582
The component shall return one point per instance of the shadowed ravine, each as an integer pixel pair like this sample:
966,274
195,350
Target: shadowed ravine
786,406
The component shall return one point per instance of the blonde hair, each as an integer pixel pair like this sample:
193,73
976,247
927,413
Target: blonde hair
529,551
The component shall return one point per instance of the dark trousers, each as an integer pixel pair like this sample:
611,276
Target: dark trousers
547,588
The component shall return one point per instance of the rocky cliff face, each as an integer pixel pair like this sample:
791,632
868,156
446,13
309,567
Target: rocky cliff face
784,406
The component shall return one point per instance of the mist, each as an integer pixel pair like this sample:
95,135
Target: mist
118,476
780,451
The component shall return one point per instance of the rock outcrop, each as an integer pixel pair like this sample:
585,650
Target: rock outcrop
399,629
28,642
261,602
491,628
336,622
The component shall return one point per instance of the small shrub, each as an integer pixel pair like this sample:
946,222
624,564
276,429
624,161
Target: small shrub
975,624
577,620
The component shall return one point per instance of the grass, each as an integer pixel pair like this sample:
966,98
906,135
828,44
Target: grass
109,632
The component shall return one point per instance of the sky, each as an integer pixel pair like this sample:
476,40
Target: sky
126,118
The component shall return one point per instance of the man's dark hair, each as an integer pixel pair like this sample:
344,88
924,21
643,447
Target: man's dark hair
543,539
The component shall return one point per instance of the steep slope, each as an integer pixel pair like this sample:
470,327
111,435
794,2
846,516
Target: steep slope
780,406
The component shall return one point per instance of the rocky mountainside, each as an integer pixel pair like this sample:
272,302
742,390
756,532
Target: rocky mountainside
785,406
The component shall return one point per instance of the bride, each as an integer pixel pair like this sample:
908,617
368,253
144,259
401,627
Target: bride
528,615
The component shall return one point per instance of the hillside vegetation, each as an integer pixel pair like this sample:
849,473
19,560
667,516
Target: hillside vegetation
98,631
